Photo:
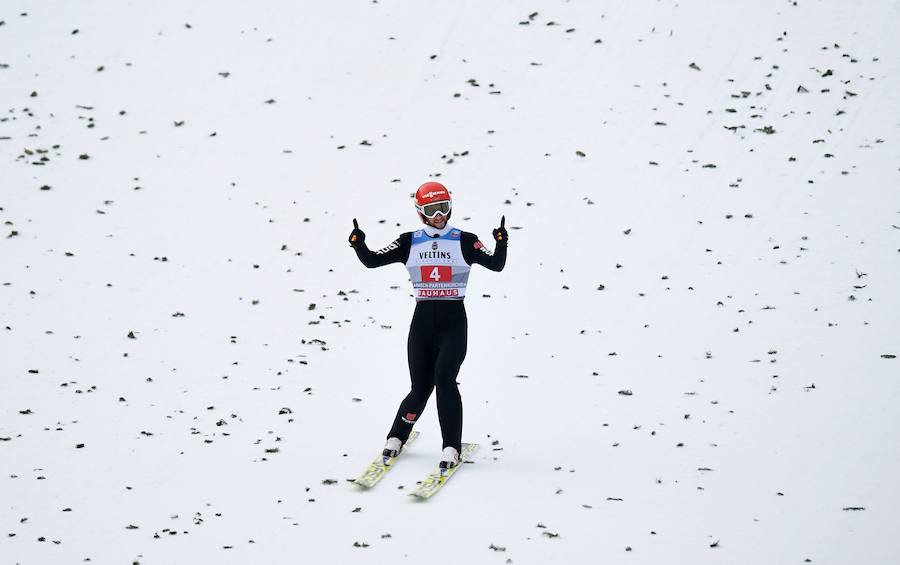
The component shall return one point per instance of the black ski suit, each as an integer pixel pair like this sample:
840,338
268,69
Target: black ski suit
436,346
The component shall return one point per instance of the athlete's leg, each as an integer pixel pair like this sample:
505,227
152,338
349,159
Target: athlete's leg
451,353
420,354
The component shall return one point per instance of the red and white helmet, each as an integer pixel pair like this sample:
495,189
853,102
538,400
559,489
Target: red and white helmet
433,198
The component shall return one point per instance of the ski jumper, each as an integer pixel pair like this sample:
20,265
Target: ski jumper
438,262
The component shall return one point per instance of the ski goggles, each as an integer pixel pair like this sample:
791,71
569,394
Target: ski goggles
435,208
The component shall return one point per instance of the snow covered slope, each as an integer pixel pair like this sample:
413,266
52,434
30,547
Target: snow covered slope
689,358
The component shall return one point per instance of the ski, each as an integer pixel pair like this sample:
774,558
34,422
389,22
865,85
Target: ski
437,478
380,466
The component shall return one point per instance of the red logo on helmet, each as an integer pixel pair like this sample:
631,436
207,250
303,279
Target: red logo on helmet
478,245
431,192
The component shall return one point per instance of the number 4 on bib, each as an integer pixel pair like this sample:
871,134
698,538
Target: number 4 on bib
437,273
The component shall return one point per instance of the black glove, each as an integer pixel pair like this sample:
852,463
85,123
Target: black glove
357,236
500,235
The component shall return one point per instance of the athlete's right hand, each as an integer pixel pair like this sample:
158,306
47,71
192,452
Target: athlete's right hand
357,236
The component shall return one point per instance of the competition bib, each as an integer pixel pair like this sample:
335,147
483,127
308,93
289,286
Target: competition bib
436,266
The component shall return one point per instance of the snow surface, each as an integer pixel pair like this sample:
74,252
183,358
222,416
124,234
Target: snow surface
704,205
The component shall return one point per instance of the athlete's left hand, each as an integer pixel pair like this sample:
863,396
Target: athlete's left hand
500,234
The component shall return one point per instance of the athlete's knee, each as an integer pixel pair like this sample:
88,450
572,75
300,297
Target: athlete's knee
447,388
420,394
446,378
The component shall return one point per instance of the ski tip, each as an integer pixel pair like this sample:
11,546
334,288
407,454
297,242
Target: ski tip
421,496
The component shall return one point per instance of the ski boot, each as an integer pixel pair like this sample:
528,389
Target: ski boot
449,459
392,448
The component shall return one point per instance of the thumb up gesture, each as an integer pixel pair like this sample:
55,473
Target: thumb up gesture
500,234
357,236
